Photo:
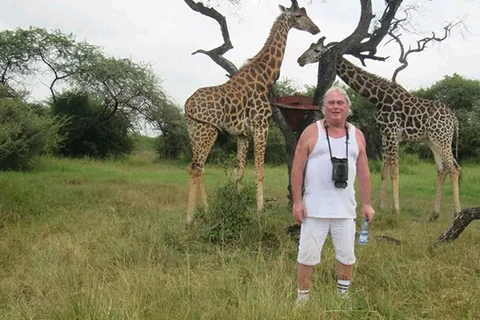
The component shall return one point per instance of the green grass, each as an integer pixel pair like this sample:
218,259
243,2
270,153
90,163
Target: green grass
84,239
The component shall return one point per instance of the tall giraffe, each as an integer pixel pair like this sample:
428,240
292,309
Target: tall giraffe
402,117
240,106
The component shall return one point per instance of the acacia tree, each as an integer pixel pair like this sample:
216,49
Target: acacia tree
62,62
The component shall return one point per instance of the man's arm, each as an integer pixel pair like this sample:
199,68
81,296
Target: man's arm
299,161
363,173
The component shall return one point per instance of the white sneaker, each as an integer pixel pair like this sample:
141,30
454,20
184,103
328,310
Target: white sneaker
302,298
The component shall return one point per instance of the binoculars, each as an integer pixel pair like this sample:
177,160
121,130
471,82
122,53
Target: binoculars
340,172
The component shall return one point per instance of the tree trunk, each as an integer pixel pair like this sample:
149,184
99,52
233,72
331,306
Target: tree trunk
459,224
290,143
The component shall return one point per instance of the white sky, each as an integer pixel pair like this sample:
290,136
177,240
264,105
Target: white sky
165,33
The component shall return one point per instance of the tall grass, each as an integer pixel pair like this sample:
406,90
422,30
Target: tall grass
84,239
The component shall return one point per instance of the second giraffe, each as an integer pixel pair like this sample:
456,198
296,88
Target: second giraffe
402,117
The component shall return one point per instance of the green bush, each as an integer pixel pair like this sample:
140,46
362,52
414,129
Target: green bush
275,153
90,132
230,212
24,134
232,219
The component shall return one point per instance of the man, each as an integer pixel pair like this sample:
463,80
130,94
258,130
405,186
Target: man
331,152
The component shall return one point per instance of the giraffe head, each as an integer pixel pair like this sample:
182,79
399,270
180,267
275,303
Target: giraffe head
313,54
297,18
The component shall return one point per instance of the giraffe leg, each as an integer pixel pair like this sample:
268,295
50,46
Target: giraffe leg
441,175
242,149
446,164
260,140
383,190
202,137
454,176
437,154
395,174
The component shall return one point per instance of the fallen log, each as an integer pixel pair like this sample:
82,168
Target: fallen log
459,224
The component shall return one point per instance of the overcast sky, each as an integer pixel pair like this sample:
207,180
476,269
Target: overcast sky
165,33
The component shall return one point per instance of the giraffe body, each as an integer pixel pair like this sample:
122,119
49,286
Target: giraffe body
240,106
402,117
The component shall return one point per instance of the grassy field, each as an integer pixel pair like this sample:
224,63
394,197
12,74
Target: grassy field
84,239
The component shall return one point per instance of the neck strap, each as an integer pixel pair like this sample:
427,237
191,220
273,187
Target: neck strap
325,124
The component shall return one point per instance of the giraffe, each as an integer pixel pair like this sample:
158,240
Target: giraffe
240,106
402,117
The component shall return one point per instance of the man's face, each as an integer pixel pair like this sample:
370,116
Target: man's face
336,107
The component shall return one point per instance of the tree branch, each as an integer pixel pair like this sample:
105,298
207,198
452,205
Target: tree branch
327,65
377,36
421,44
459,224
216,54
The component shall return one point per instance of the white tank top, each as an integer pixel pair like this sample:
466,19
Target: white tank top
322,199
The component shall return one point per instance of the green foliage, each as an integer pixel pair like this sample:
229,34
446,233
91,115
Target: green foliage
275,153
285,87
232,219
457,92
24,134
173,141
88,132
469,140
230,212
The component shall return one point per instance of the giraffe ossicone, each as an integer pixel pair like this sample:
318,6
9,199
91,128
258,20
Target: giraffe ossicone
240,106
402,117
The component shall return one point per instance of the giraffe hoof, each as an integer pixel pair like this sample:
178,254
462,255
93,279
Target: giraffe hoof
434,217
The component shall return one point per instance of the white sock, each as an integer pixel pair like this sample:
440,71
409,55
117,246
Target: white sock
302,297
342,286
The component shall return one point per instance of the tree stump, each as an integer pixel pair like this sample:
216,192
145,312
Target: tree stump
459,224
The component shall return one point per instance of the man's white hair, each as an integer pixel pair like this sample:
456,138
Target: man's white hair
342,92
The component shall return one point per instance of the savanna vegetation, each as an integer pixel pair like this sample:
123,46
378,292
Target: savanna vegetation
106,239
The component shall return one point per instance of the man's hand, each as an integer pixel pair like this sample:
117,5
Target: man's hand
299,211
368,211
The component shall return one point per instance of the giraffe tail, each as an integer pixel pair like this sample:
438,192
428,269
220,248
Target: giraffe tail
456,140
457,160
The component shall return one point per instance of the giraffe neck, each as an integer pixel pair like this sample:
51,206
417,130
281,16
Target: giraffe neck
370,86
265,65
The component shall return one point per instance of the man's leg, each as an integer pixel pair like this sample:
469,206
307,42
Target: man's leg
343,238
312,237
344,276
304,277
304,280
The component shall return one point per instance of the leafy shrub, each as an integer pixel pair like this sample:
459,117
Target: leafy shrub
24,134
275,153
232,219
90,132
230,212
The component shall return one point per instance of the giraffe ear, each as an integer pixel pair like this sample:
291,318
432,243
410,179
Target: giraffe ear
282,8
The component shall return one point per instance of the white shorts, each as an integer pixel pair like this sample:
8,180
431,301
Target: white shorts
313,234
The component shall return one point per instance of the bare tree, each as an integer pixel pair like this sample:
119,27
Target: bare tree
401,24
216,54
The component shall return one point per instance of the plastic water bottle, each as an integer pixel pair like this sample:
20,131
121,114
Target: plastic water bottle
363,239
